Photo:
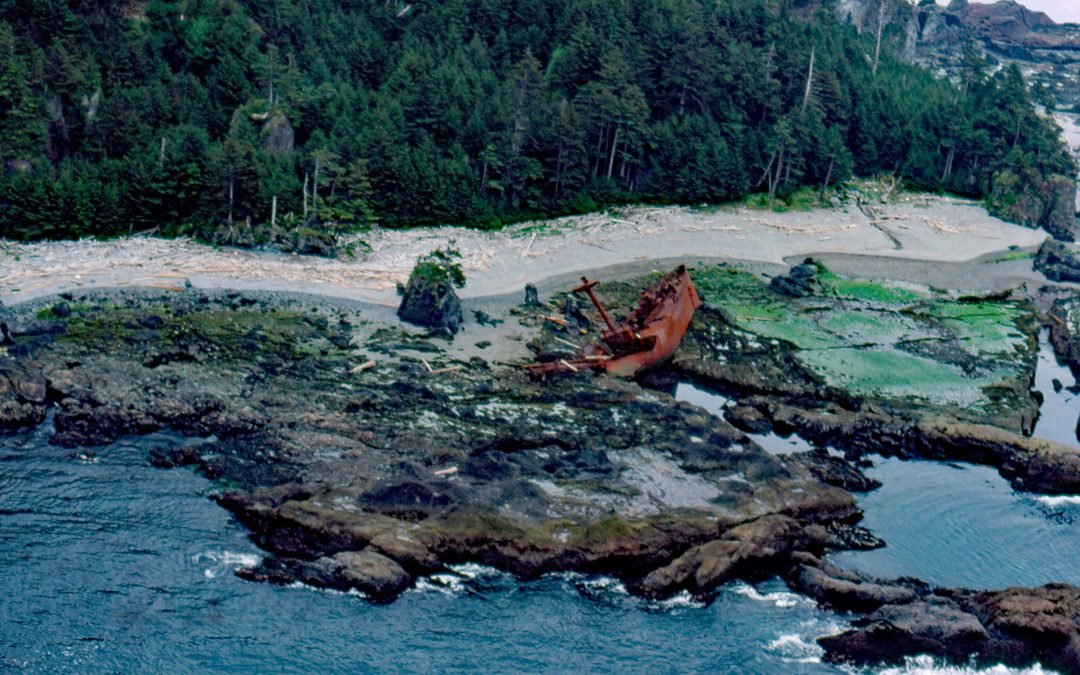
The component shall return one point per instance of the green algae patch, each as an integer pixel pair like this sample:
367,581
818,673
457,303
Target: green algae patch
985,327
163,333
888,373
869,291
888,342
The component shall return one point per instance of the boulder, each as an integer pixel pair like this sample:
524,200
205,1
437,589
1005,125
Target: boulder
800,282
308,241
1057,261
834,587
22,395
750,550
431,302
371,573
936,626
532,297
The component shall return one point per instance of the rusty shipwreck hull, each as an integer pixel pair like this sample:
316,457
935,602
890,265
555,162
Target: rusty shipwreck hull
648,336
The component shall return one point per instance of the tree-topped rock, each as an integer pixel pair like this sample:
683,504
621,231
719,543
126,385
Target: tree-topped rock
429,299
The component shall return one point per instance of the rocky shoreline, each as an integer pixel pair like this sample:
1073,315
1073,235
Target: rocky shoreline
363,455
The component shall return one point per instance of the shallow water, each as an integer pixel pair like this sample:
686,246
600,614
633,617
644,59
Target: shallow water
959,525
1060,409
715,403
962,525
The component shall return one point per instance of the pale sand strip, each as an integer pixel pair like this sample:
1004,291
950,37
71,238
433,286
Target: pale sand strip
929,228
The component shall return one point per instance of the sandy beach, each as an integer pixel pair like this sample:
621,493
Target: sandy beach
912,227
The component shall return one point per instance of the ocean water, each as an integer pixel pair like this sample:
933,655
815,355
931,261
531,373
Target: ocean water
963,526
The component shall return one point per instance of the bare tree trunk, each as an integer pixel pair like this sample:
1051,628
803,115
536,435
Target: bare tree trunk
614,146
774,179
315,186
948,164
273,212
161,155
305,195
828,175
880,26
230,199
809,80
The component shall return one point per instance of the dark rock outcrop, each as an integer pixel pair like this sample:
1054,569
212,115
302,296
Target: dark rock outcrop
841,589
836,471
800,282
1057,261
755,550
1065,331
1017,626
432,303
1031,201
277,136
935,626
373,574
22,395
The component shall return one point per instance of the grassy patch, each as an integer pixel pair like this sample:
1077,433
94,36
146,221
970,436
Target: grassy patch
1014,255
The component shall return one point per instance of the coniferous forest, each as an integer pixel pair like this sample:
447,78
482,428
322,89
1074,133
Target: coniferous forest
216,117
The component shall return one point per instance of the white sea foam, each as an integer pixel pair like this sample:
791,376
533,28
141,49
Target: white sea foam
224,561
681,600
927,665
1058,501
605,584
777,598
474,570
444,584
795,648
299,585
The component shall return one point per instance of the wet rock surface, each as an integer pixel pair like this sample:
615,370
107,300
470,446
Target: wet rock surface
366,478
360,476
1017,626
1065,330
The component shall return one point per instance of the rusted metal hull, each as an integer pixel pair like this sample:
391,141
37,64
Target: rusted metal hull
665,331
648,337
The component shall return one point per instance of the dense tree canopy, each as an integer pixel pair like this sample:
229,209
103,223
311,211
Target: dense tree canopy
121,115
